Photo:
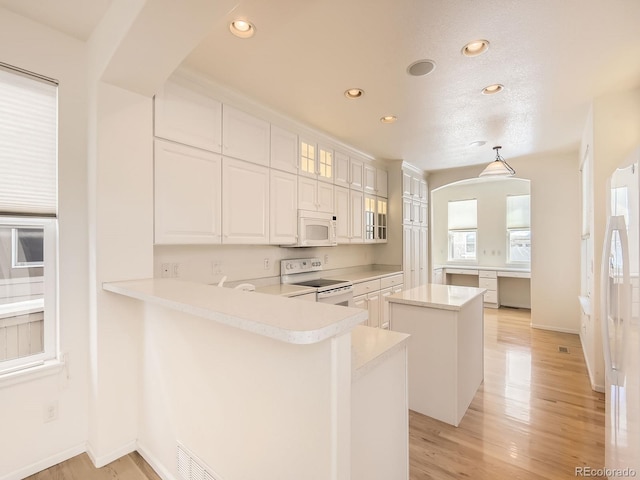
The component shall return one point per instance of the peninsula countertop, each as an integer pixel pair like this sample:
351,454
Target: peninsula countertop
267,315
434,295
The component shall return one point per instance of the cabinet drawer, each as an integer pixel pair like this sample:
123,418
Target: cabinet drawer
487,274
366,287
488,283
387,282
491,296
461,271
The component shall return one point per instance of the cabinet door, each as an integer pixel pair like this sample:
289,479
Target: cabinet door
381,220
341,196
373,305
422,255
308,158
407,257
424,215
245,136
406,184
424,191
325,164
283,208
415,212
361,302
245,203
357,217
325,197
341,174
369,218
415,255
187,194
407,210
381,183
284,150
384,312
415,186
186,116
369,179
307,194
356,176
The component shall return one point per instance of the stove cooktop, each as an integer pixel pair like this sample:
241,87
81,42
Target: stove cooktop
322,282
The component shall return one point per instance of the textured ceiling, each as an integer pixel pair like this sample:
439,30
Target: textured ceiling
553,57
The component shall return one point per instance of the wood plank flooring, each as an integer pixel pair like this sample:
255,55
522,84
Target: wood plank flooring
535,417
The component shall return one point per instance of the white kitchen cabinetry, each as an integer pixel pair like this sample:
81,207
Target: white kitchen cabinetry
356,175
284,150
185,115
489,280
381,182
245,203
325,164
341,174
342,211
283,208
415,228
382,227
356,205
245,137
308,158
369,218
314,195
187,195
370,295
422,256
369,185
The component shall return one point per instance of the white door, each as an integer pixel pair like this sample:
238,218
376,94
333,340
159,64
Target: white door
283,208
307,194
357,216
185,115
325,197
341,197
245,202
284,150
341,174
187,197
245,136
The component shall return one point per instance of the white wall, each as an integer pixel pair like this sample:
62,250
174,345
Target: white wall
555,226
27,444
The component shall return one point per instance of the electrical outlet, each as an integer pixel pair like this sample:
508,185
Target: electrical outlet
326,259
165,270
267,264
175,270
216,267
50,411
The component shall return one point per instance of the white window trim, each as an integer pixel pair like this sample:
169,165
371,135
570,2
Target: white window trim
14,252
470,261
508,249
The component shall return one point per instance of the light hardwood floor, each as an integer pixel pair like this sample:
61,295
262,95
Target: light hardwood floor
534,417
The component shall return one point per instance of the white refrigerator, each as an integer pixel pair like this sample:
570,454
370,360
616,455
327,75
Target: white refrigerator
619,321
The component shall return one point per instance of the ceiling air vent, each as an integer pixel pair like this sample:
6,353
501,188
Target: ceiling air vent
191,467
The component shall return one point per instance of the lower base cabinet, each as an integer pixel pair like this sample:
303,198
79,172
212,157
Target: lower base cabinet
370,295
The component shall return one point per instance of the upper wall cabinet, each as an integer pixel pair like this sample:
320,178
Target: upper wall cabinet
308,164
381,182
284,150
341,173
187,198
369,184
245,137
185,115
283,208
325,163
356,177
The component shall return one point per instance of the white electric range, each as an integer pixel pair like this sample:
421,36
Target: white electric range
307,272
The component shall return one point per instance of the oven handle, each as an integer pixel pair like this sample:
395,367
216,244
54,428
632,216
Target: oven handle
335,293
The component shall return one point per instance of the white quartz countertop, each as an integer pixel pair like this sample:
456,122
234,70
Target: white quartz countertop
268,315
371,346
433,295
285,290
358,277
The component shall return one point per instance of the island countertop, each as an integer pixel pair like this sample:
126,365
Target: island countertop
267,315
434,295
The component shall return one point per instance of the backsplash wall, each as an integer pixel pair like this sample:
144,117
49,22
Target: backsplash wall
209,263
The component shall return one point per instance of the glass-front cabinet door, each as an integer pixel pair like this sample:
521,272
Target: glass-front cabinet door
382,220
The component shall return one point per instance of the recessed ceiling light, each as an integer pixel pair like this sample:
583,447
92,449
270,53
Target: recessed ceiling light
388,119
475,48
354,93
242,28
491,89
477,143
421,67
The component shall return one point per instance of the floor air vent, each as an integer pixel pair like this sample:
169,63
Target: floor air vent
562,349
191,467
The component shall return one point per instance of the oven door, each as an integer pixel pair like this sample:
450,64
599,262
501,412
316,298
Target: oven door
340,297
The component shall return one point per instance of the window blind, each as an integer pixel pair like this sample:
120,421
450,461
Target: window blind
28,144
518,213
463,214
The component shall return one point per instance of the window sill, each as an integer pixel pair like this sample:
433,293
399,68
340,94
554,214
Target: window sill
45,369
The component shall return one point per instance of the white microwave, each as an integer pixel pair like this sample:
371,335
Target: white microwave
316,229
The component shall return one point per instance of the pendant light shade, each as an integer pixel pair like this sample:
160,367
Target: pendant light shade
499,167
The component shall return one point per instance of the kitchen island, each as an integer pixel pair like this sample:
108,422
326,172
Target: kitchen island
446,324
228,375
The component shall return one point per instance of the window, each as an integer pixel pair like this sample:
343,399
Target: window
463,230
518,229
28,224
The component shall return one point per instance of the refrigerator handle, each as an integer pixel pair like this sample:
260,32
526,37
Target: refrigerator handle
614,223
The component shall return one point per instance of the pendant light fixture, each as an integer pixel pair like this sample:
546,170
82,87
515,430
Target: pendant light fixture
499,167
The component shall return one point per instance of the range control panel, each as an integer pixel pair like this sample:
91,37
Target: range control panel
300,265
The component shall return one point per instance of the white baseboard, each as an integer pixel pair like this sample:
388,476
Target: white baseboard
45,463
154,463
594,386
101,461
556,329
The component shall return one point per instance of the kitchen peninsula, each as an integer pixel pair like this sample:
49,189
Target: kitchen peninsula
446,364
236,375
